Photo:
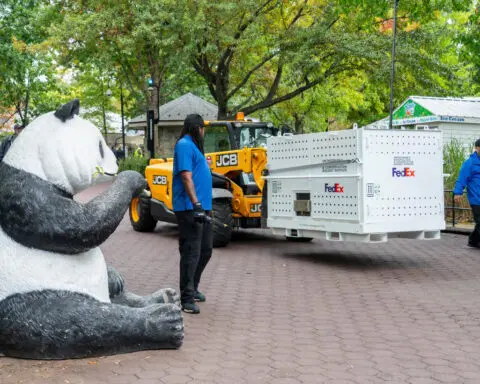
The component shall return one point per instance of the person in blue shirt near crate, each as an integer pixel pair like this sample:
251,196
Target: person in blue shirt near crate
192,204
469,177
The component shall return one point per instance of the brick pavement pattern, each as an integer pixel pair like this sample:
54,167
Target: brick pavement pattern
277,312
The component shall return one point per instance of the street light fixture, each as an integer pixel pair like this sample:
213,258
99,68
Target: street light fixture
123,124
108,93
393,62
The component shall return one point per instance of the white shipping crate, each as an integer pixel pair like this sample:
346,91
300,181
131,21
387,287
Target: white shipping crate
360,185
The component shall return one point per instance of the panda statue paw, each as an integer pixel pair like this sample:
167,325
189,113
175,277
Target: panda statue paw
167,295
116,283
134,180
119,295
164,322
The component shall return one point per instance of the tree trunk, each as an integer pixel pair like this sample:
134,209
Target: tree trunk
221,94
27,101
222,109
299,122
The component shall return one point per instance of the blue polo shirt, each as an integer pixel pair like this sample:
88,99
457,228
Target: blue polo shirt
187,157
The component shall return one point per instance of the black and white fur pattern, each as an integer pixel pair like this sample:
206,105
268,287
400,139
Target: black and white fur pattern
58,299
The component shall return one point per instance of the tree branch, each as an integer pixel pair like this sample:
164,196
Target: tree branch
18,107
227,55
276,82
240,106
332,23
333,69
249,74
210,83
298,15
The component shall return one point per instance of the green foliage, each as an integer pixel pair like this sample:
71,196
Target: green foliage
4,135
27,68
134,163
470,37
313,65
255,55
129,41
454,154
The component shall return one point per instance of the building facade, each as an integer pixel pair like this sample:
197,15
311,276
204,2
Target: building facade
457,118
171,117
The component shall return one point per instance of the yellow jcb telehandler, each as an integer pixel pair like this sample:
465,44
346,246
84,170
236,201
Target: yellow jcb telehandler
237,156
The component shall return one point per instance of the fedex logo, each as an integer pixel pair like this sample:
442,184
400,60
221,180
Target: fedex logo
336,188
405,172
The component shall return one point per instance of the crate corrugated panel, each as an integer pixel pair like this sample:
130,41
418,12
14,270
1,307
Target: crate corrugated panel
314,148
403,179
396,184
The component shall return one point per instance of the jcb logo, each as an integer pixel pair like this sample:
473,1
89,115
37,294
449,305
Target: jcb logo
160,180
227,160
255,208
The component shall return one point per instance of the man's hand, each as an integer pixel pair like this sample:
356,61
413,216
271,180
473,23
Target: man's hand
458,198
199,214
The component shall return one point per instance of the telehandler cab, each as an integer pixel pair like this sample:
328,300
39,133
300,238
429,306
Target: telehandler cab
236,154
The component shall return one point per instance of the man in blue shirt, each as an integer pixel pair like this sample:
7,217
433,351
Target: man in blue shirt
192,204
469,177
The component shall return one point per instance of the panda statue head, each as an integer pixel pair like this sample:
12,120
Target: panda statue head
63,149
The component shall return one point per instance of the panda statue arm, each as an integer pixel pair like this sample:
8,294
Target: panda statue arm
32,211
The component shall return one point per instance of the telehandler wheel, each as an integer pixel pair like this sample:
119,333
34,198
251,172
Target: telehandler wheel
222,222
140,217
299,239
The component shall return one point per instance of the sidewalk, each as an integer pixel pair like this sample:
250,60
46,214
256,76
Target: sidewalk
401,312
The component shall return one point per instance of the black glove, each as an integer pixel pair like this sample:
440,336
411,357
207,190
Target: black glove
199,214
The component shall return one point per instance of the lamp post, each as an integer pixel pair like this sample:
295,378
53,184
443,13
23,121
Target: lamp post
123,124
150,123
393,61
108,93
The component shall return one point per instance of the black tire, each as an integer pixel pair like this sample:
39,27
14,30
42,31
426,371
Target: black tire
222,222
140,216
299,239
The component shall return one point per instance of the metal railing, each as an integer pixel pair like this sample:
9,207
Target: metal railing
453,207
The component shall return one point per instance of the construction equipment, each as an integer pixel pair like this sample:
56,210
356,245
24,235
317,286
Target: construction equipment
236,154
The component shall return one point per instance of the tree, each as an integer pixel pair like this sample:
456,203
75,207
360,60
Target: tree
27,68
256,56
471,48
253,55
132,40
323,108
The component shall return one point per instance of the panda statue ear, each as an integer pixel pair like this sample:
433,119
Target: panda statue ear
67,111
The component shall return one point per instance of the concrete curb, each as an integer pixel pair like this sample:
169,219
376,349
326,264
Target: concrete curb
458,231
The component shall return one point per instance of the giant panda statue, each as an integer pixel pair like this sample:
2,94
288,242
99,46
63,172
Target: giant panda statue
58,298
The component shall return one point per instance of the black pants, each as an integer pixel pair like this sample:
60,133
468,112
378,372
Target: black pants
474,238
195,245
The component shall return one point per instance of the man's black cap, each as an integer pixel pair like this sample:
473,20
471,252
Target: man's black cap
477,143
194,121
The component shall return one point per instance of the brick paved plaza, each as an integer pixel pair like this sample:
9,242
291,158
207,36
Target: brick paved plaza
401,312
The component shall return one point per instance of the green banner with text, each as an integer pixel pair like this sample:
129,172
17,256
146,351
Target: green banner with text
410,110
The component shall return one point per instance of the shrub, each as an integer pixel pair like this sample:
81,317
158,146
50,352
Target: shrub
134,163
454,154
4,135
